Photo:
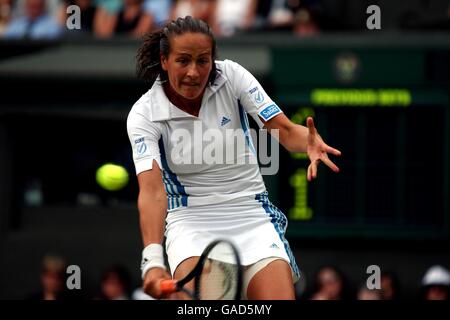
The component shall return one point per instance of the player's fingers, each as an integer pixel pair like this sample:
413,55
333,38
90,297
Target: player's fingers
150,289
309,173
152,282
314,168
333,151
310,125
167,286
330,164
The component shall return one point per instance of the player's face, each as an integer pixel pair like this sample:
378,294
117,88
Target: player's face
189,64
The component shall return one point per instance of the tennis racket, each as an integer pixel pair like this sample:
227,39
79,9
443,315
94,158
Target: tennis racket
217,275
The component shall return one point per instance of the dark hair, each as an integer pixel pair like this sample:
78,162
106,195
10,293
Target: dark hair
157,43
395,282
121,273
346,293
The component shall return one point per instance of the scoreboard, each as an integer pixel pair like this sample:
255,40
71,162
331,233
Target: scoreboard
388,111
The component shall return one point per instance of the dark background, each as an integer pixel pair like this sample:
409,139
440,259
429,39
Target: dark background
63,112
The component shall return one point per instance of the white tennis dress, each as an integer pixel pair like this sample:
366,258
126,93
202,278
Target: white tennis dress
213,182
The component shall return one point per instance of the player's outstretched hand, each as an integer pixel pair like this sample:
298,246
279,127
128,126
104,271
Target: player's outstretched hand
318,150
152,282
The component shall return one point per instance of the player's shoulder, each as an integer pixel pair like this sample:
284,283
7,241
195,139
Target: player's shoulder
228,66
232,71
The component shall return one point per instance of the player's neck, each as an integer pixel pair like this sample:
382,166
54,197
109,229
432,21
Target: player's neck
191,106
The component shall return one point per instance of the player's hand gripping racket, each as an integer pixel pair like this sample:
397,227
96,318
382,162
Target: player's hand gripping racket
217,275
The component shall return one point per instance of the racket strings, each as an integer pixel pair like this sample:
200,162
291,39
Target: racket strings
218,280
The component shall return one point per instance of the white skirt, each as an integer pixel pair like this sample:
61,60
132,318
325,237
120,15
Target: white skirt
252,223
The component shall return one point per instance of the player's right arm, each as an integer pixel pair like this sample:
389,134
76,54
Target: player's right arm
152,205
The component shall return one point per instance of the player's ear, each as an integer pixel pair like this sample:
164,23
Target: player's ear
163,62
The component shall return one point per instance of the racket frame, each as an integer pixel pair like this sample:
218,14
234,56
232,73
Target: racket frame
197,271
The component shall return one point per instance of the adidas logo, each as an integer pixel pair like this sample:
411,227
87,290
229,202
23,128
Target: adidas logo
224,121
144,262
274,246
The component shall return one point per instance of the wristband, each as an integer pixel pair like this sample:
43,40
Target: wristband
152,257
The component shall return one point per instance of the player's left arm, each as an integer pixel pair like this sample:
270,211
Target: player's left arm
298,138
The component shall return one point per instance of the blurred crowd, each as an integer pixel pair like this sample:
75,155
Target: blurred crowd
115,283
50,19
329,283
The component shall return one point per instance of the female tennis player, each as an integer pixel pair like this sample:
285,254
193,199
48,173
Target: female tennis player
193,201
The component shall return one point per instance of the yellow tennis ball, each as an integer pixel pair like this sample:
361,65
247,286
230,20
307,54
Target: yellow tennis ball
112,177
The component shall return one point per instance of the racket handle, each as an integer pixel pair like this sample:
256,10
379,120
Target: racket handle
168,286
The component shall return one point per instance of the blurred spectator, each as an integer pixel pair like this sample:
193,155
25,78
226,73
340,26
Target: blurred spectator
6,8
130,19
365,293
200,9
87,14
390,286
261,13
52,7
205,10
301,17
53,286
284,14
181,8
159,10
435,283
34,24
280,14
304,23
234,15
115,284
111,6
330,284
314,16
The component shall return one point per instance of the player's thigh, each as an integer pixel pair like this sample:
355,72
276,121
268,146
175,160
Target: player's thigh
183,270
272,282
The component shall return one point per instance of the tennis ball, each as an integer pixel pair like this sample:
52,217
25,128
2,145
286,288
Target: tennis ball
112,177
